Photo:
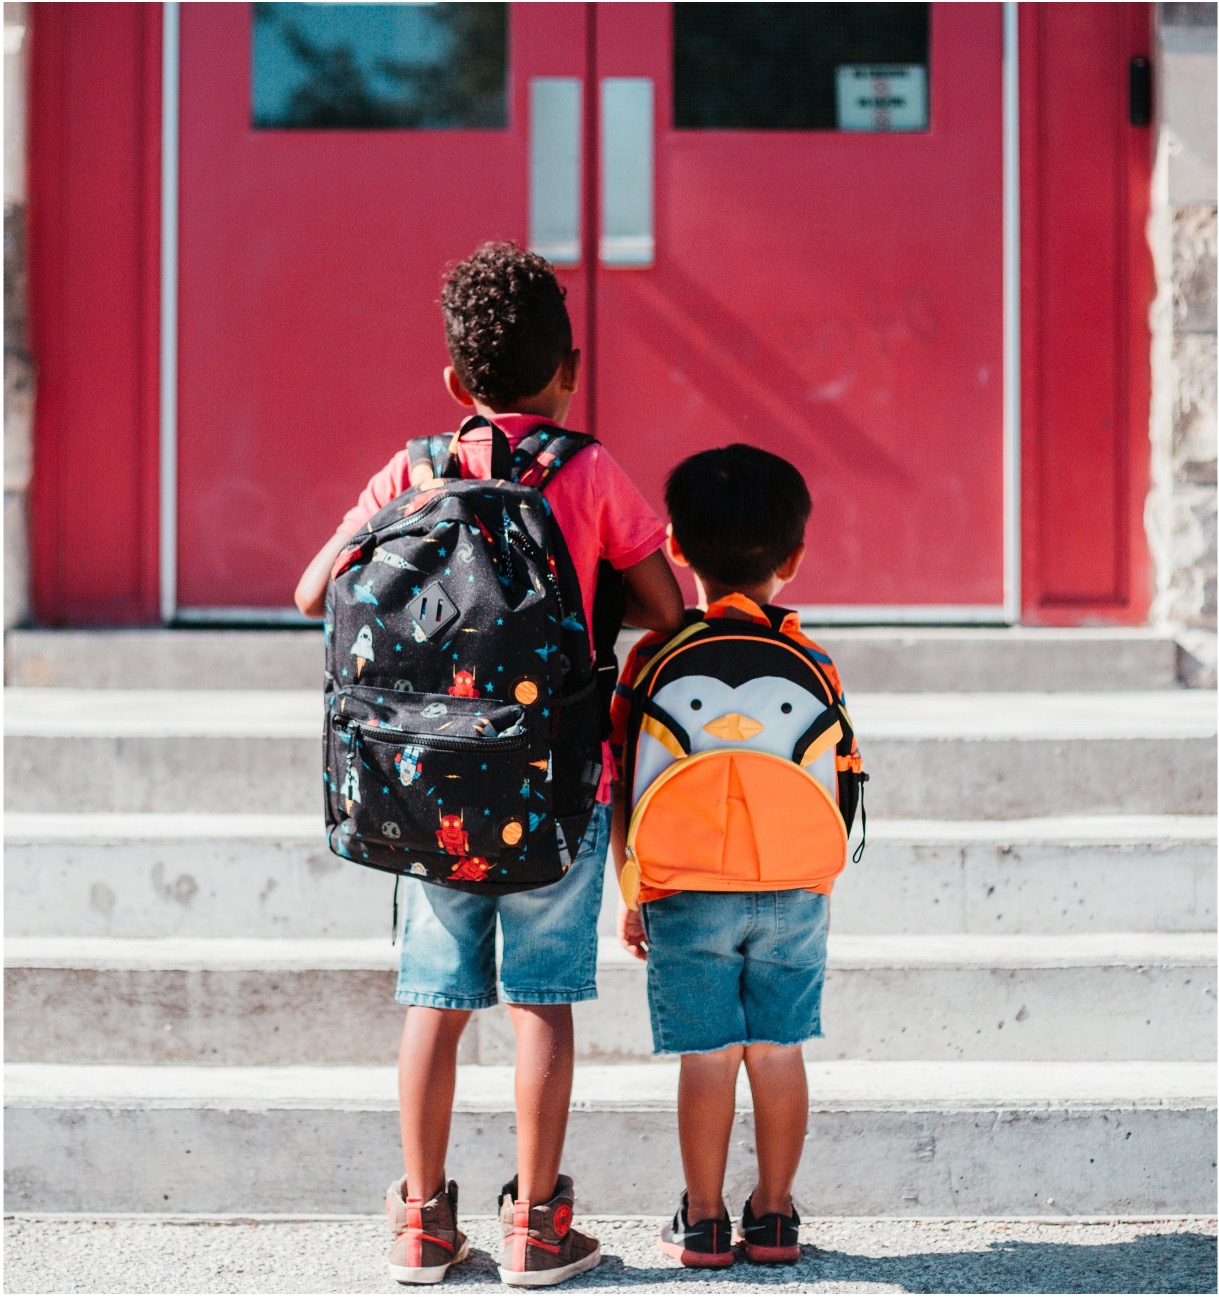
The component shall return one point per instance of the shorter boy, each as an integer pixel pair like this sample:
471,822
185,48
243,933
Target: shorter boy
733,976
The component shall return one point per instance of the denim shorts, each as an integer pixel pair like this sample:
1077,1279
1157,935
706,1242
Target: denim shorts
549,937
735,968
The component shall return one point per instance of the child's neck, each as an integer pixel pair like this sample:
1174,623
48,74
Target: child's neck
544,405
709,592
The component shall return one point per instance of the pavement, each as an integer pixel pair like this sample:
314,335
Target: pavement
147,1254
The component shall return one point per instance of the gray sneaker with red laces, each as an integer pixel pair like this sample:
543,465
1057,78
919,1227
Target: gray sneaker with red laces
426,1238
540,1246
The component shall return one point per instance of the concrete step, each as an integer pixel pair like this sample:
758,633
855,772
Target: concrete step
906,1139
231,1001
1015,658
153,875
936,756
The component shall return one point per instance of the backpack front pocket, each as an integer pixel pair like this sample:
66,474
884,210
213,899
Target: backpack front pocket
733,821
434,774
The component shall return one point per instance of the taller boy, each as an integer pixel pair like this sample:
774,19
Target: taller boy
510,343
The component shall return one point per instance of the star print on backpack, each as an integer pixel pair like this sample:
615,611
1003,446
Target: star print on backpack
463,726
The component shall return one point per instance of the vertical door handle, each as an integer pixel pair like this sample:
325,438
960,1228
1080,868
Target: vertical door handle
555,127
627,209
1140,92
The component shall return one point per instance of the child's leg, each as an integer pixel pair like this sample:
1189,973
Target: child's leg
427,1077
549,963
545,1059
780,1119
706,1105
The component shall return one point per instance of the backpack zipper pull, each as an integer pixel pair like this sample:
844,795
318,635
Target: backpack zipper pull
857,855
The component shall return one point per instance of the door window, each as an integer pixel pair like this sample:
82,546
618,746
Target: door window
800,67
379,66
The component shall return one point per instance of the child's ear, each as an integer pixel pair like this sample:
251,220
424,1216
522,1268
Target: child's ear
790,566
456,388
570,372
674,548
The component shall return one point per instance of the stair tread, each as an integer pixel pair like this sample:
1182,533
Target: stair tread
119,826
629,1086
85,713
951,950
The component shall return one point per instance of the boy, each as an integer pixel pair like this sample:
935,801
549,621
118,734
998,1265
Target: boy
510,343
733,976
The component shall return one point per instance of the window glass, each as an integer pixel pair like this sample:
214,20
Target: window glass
379,66
805,67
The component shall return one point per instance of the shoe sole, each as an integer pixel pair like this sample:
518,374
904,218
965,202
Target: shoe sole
696,1260
772,1255
545,1278
424,1274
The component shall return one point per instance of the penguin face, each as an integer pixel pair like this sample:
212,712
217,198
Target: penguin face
765,714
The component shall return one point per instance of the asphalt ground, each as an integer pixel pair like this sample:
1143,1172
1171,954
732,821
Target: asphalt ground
142,1254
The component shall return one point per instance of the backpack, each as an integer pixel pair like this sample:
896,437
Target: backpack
741,765
462,727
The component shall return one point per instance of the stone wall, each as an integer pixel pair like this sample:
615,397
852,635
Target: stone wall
1181,506
18,366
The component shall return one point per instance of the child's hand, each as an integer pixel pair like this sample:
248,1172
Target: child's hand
630,931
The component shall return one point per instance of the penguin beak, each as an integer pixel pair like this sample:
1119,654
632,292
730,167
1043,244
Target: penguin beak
734,727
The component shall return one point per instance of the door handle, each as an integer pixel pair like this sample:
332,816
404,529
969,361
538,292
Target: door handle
555,124
627,208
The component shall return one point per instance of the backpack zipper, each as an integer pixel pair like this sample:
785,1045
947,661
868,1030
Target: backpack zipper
449,743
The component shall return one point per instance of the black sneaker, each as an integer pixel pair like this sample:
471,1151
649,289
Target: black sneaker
772,1239
706,1245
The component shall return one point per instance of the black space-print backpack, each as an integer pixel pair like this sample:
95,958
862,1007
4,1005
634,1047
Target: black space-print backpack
463,718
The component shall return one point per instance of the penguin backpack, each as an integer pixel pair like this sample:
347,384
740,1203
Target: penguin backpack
741,762
462,721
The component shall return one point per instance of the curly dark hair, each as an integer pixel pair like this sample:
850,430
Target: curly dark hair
738,513
505,323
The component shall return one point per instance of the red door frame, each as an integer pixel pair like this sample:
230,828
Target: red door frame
94,253
1086,273
94,279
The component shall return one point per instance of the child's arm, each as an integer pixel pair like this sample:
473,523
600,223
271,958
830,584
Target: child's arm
382,487
311,588
630,922
653,597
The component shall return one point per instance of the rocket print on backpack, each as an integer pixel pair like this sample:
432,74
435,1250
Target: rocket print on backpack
462,730
741,764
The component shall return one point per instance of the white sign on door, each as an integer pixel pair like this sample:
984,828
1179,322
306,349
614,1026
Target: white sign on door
892,97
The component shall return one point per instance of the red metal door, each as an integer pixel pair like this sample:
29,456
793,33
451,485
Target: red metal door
833,296
310,343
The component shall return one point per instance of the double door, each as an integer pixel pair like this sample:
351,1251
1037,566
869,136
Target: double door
781,224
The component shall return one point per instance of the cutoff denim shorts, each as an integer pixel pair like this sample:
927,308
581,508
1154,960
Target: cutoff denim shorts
735,968
549,937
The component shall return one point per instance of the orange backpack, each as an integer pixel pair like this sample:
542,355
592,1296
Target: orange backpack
741,764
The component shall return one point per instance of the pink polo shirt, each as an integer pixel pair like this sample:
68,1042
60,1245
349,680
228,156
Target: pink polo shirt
598,508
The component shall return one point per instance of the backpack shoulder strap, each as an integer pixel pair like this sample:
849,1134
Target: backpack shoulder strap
540,455
428,456
438,455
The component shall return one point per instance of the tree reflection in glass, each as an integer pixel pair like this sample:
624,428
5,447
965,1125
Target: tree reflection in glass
380,66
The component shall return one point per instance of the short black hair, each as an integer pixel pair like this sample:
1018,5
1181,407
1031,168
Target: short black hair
738,513
505,323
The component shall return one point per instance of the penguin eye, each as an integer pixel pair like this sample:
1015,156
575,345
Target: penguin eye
696,704
786,708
